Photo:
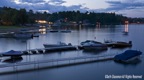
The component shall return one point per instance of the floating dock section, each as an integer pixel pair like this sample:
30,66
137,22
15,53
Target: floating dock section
52,63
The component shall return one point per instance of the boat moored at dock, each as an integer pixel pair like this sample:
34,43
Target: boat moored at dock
90,45
128,56
118,44
12,53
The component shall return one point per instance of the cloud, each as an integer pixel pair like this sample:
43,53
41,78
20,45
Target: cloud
9,3
32,1
41,5
129,8
57,1
117,5
57,8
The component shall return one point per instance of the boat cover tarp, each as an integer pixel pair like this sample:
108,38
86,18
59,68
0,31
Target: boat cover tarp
12,53
127,55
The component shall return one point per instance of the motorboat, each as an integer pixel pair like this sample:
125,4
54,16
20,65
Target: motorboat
91,45
122,44
89,41
60,44
118,44
128,56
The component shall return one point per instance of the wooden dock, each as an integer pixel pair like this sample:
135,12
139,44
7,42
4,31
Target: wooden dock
54,49
52,63
48,50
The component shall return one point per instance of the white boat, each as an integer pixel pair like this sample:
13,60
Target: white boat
91,45
60,44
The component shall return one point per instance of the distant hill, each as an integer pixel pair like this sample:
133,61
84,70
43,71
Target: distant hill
11,16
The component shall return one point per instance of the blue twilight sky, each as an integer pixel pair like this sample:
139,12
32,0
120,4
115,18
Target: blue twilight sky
130,8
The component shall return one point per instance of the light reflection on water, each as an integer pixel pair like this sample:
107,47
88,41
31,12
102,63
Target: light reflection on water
92,71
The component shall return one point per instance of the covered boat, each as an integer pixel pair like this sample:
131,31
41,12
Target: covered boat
91,45
128,56
13,53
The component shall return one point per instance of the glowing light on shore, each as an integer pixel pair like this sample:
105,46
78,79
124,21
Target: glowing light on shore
41,21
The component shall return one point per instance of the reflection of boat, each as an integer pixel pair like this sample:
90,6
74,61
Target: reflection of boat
91,45
118,44
13,60
13,53
60,44
128,56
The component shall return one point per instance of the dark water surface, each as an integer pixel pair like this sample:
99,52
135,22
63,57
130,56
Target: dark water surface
90,71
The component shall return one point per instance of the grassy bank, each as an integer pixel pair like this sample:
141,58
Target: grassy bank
4,29
10,27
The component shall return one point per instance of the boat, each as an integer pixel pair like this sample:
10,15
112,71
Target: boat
12,53
118,44
90,45
128,56
122,44
89,41
60,44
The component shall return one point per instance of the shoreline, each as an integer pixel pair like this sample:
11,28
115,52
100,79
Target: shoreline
8,29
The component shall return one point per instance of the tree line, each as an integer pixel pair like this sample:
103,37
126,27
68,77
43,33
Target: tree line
12,16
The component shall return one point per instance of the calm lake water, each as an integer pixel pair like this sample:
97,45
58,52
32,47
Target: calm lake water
90,71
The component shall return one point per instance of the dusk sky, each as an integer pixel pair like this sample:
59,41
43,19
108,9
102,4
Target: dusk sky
130,8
